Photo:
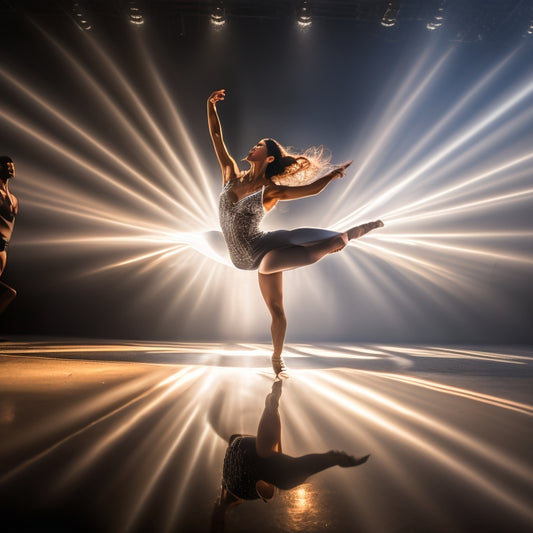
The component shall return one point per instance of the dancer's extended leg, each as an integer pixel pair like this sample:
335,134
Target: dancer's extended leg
301,255
271,286
286,472
290,257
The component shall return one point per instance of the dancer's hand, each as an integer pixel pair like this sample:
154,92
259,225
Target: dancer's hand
217,96
341,170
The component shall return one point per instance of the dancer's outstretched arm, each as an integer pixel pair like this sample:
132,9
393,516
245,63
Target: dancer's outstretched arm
228,165
273,193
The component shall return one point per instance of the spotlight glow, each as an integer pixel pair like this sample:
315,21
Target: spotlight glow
453,197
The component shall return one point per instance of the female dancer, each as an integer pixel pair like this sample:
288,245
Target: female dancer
247,196
255,466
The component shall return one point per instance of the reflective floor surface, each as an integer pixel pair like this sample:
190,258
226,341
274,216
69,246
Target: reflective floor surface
131,437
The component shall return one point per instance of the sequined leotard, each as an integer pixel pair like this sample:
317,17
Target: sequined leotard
243,468
247,244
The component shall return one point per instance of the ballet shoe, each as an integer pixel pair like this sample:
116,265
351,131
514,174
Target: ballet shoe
344,460
363,229
279,367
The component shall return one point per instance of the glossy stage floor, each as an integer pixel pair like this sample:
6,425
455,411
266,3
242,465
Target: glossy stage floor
126,436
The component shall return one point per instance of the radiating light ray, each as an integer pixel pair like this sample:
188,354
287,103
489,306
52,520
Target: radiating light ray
83,163
93,215
487,252
126,89
182,380
458,107
471,131
44,425
103,95
405,99
43,137
362,440
451,192
186,421
157,256
181,130
476,354
481,448
519,234
29,462
428,200
73,127
429,270
390,424
410,242
454,171
463,393
183,484
510,197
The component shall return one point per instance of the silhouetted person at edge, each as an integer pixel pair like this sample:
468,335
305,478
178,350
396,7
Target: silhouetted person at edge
8,209
255,467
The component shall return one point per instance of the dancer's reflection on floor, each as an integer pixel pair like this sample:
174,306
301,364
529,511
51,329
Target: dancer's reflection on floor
255,467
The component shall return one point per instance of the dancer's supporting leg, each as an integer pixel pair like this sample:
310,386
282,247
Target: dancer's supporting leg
271,286
301,255
268,440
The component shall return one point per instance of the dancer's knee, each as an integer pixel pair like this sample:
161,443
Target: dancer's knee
278,313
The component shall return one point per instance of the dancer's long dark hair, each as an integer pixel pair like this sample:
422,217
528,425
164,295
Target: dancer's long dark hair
294,169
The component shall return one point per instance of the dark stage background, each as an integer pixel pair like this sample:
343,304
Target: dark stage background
118,184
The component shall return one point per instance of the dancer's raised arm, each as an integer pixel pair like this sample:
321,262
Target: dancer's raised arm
273,193
227,163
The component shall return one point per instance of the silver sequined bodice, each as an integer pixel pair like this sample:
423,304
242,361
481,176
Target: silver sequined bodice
247,244
240,225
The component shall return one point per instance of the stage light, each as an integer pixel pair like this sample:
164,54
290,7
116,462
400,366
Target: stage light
304,15
135,14
391,15
79,13
437,19
218,15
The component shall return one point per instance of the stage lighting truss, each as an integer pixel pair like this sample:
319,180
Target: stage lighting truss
438,19
529,30
79,12
390,16
135,14
303,15
218,14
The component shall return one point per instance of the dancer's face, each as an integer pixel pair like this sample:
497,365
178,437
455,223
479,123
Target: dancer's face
258,153
7,170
